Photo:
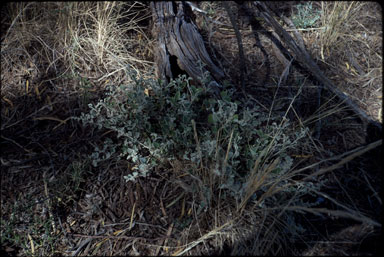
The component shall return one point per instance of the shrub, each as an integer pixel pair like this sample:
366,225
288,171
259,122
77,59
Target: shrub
156,123
305,16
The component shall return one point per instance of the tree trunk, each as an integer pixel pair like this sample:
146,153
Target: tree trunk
179,48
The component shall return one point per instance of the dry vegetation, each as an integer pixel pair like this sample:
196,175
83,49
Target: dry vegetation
59,57
352,45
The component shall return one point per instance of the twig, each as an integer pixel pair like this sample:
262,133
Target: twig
117,237
335,213
357,152
338,157
197,143
239,43
13,141
81,246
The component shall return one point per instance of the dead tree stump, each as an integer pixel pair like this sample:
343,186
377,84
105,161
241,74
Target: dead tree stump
179,47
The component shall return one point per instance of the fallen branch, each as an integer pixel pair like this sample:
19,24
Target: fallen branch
302,56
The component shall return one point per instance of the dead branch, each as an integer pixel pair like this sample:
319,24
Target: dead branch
302,56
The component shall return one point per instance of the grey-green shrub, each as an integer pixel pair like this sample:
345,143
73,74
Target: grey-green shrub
305,16
152,129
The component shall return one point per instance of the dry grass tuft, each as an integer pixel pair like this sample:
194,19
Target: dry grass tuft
335,19
61,40
351,45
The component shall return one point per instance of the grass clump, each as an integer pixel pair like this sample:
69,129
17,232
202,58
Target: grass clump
336,18
60,41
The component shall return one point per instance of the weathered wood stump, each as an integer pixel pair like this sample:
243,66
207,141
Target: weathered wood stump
179,48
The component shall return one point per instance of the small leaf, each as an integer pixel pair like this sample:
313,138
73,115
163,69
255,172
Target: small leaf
224,95
211,120
177,96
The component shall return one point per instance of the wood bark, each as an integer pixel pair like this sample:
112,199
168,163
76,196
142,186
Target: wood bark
179,46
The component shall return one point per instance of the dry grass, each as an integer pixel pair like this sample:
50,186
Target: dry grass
335,20
351,44
71,50
60,40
